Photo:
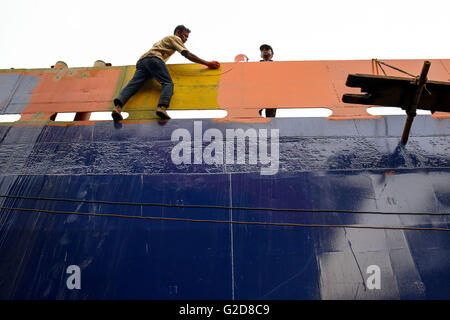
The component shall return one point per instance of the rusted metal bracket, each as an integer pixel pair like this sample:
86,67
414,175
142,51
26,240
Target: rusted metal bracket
405,93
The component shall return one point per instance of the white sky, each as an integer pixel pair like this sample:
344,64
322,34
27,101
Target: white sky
35,34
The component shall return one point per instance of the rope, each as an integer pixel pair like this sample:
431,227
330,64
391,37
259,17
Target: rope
380,62
226,207
384,72
392,67
227,221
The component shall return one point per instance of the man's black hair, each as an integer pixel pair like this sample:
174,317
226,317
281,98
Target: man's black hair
266,46
181,28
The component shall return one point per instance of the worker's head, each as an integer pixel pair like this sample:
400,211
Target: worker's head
266,52
182,32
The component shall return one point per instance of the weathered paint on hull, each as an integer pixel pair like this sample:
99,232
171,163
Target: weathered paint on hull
337,165
242,89
215,253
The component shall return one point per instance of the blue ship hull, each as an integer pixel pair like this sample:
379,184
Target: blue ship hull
229,252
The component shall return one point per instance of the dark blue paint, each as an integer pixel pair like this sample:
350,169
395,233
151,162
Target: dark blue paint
342,165
15,92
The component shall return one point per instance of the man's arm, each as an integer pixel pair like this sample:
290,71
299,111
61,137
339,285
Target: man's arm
192,57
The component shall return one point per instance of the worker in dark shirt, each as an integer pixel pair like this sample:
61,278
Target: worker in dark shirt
266,55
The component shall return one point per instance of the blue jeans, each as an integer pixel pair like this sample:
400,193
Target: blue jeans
149,67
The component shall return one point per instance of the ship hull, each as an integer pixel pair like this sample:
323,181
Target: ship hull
111,201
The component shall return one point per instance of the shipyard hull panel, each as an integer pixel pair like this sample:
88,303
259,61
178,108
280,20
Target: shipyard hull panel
148,251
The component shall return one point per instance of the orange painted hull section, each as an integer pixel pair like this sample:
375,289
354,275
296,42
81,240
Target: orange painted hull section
240,88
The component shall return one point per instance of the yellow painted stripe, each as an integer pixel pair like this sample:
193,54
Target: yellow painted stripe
195,87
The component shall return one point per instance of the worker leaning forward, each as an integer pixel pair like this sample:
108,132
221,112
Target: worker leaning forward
152,64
